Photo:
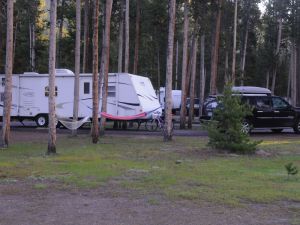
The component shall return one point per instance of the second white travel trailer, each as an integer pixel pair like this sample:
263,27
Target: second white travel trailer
176,98
128,95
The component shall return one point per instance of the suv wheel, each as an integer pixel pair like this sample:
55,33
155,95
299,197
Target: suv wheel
246,127
277,130
297,126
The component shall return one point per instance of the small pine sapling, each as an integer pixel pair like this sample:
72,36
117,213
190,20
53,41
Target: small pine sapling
291,169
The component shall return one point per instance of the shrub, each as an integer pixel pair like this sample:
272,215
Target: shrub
225,128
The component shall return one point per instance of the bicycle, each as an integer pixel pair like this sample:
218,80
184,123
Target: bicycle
156,122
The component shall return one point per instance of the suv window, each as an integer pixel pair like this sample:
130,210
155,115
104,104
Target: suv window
263,103
279,103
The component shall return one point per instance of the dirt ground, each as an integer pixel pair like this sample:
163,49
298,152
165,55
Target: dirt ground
21,203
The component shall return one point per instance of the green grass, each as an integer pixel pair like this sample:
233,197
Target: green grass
148,165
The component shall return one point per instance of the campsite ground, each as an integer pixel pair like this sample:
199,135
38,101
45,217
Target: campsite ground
138,179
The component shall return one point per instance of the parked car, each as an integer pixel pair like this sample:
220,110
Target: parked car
272,112
196,106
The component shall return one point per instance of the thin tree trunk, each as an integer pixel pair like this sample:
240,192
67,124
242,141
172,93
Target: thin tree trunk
8,75
297,69
268,79
60,31
202,75
158,69
244,54
176,66
85,34
169,72
277,55
193,79
293,73
137,36
95,126
33,47
226,77
234,44
121,35
51,98
1,34
77,64
14,45
184,65
127,37
105,62
215,55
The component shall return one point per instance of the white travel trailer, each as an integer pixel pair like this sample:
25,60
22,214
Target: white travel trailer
128,95
176,98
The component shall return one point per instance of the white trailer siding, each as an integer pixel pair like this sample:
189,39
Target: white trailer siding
127,95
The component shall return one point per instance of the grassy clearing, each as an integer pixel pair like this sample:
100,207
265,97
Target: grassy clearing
183,169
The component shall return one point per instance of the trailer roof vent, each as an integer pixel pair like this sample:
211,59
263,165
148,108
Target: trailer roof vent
64,71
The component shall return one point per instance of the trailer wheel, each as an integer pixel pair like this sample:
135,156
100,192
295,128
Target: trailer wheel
41,120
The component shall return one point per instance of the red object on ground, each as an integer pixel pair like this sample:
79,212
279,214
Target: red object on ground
133,117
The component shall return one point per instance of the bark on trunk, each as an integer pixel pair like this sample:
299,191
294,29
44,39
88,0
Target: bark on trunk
176,66
169,72
234,44
85,34
1,38
137,37
184,66
77,63
51,98
8,75
202,75
127,37
121,35
60,31
244,54
277,55
95,126
105,62
215,52
193,78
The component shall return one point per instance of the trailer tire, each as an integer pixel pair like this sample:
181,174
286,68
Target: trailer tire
41,120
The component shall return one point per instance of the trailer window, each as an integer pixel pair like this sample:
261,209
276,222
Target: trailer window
47,91
111,91
86,87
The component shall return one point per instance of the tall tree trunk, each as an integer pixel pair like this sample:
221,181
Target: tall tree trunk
226,77
268,79
297,71
215,52
95,126
121,35
60,32
176,65
169,72
51,98
202,75
277,55
184,65
137,36
1,36
77,64
8,75
244,54
85,34
234,44
193,79
105,62
158,69
127,37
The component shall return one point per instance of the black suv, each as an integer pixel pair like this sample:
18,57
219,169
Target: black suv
268,112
